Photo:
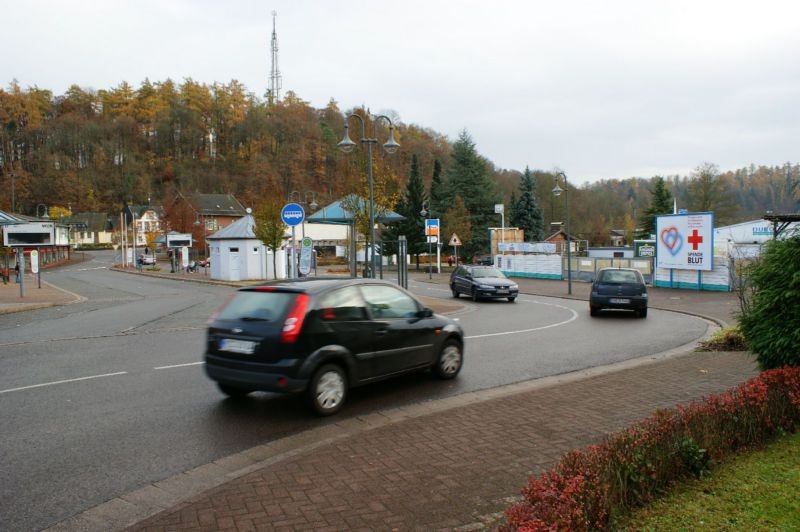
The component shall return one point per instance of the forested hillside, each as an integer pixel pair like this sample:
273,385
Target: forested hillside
97,150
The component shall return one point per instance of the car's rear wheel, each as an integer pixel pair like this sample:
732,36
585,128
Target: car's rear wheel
593,311
450,360
642,313
233,391
453,289
327,390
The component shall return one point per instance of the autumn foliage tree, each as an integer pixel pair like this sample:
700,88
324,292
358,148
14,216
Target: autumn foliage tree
269,226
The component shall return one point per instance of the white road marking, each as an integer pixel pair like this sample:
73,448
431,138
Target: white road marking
62,382
573,318
180,365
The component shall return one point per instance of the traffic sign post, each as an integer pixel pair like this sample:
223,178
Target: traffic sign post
432,235
455,242
293,215
35,266
500,209
305,256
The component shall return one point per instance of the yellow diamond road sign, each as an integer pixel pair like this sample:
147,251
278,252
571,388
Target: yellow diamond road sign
454,241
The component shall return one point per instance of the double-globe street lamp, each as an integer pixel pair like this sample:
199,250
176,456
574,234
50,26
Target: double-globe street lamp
557,192
347,145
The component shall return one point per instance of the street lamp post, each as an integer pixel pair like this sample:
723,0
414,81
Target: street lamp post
347,145
557,192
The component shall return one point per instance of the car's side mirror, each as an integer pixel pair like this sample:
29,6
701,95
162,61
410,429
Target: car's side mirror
425,313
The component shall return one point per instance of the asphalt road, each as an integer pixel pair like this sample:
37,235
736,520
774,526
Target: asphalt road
105,396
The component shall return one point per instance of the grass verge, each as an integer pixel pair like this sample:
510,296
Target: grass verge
754,491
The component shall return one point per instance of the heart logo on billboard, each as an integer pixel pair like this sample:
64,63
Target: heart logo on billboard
672,239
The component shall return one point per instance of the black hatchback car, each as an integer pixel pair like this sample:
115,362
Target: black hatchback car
324,336
481,282
619,288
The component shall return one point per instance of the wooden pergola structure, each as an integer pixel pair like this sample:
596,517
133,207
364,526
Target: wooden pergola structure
781,221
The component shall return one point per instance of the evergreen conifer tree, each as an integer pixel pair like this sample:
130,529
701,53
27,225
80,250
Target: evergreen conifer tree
410,205
438,195
527,215
660,203
468,176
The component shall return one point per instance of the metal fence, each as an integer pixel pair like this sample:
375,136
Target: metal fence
585,268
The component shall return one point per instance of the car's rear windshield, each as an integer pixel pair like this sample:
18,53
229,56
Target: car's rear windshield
257,306
487,272
619,276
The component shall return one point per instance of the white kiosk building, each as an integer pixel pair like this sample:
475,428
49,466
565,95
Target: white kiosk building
237,255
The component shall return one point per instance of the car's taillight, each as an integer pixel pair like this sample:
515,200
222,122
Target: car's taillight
294,320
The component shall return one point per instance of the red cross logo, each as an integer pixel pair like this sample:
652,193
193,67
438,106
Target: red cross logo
695,239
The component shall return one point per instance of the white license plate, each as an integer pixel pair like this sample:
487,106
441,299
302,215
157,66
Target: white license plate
502,291
237,346
619,301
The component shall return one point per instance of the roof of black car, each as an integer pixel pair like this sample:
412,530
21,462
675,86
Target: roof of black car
317,284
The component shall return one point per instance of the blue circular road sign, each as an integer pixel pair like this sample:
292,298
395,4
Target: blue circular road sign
293,214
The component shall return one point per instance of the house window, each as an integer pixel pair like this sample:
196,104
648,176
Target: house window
255,251
234,250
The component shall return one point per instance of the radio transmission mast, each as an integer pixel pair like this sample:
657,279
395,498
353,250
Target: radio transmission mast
274,92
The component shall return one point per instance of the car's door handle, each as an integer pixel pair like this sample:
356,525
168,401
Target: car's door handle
381,332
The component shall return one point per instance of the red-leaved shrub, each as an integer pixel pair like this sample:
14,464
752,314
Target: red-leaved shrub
589,486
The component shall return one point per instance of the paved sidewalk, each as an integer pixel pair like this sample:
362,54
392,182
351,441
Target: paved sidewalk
452,464
455,465
34,296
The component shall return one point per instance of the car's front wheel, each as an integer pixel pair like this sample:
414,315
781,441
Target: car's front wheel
453,290
450,360
475,294
327,390
511,299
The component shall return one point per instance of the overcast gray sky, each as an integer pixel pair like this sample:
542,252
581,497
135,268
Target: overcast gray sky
610,89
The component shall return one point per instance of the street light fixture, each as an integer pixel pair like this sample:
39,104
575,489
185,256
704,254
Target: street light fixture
347,145
557,192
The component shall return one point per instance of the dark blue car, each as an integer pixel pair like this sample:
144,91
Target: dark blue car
619,288
482,282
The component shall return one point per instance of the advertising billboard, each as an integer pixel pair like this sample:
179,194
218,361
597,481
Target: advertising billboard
685,241
30,234
179,240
